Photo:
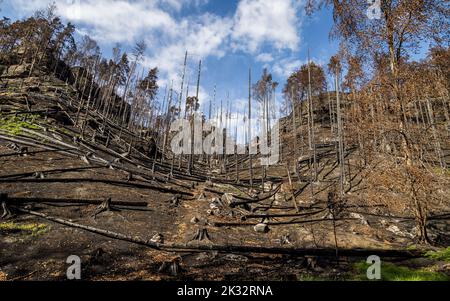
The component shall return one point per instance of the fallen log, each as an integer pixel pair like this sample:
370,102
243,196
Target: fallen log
148,177
284,208
59,170
105,181
48,138
65,151
52,111
262,216
14,200
33,143
173,247
33,152
443,216
256,200
293,222
245,200
152,175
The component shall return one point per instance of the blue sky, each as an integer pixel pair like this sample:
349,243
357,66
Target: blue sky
229,36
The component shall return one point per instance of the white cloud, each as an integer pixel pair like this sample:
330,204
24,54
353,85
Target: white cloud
169,32
121,21
254,24
259,21
202,37
27,6
264,58
285,67
179,4
106,20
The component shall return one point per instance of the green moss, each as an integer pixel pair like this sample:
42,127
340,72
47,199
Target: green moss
230,189
65,131
391,272
32,229
411,248
441,171
311,278
443,255
14,124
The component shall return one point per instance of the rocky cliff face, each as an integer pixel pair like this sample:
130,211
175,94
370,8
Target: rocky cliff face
51,74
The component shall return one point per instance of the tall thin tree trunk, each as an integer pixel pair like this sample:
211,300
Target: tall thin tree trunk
250,125
194,111
312,145
437,144
340,136
294,126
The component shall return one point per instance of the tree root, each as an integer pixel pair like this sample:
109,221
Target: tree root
4,203
104,207
172,267
201,235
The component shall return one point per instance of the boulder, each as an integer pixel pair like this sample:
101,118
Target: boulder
235,258
158,239
201,197
215,203
215,206
396,230
361,218
174,201
261,228
21,71
285,240
228,199
268,186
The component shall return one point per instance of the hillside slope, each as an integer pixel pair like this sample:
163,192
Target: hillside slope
60,161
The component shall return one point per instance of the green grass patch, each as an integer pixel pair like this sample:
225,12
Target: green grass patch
442,255
391,272
311,278
230,189
65,131
31,229
14,124
442,171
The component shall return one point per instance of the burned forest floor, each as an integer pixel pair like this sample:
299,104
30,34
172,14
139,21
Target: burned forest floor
62,167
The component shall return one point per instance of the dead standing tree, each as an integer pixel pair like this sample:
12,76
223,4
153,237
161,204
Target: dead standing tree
263,90
386,41
192,103
311,127
250,126
305,86
335,68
